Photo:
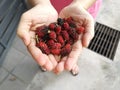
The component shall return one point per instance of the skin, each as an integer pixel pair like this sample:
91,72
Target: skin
40,14
81,17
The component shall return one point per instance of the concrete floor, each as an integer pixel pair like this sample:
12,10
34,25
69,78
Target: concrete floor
21,72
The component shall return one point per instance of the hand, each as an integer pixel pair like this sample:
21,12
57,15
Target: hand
81,17
40,14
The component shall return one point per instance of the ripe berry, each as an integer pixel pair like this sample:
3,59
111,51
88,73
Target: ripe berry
55,46
72,24
41,31
40,34
58,29
52,26
60,21
70,41
73,34
44,48
52,35
55,51
57,38
38,29
66,50
71,31
66,26
69,19
65,35
50,42
60,40
75,37
80,30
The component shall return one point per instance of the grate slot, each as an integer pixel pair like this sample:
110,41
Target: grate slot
95,38
98,34
97,26
105,43
115,43
105,40
100,38
109,44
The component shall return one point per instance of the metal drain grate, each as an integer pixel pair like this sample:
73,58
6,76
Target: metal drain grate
105,40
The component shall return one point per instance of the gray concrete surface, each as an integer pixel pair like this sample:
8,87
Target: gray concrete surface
12,83
20,72
96,73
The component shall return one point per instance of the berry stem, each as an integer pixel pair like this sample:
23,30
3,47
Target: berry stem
36,37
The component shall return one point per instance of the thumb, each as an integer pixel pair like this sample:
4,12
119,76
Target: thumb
89,33
23,30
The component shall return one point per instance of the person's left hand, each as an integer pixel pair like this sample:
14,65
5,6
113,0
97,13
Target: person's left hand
81,17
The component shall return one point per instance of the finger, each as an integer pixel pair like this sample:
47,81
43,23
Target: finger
73,56
89,32
36,53
61,15
75,70
60,67
43,19
88,22
79,19
53,60
23,29
57,58
48,65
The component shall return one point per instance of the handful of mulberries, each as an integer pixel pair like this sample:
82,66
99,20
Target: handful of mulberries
59,37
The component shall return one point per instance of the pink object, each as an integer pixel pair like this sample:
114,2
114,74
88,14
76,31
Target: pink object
93,10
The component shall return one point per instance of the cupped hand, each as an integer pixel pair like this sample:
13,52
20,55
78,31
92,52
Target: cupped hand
41,14
81,17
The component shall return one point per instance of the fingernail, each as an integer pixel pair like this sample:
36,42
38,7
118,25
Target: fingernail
74,73
44,69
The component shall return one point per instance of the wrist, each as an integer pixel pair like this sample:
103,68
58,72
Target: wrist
33,3
84,3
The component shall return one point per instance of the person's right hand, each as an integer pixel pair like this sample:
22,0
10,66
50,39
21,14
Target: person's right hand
41,14
81,17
